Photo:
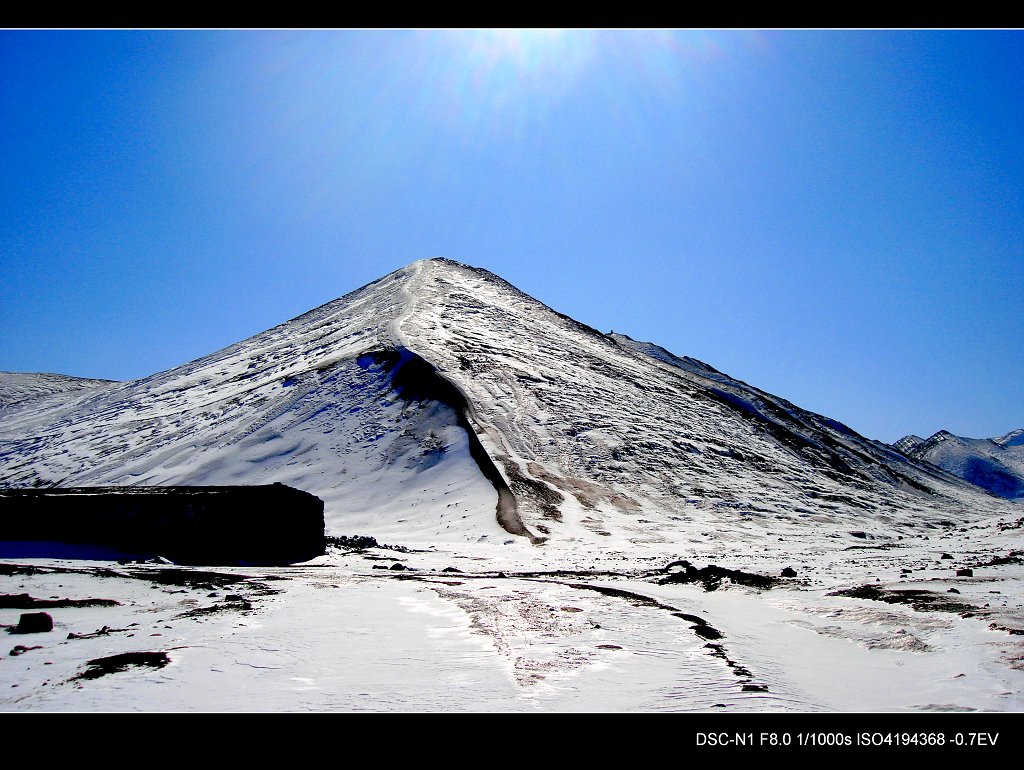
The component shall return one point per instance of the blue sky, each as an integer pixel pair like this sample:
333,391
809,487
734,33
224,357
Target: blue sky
836,217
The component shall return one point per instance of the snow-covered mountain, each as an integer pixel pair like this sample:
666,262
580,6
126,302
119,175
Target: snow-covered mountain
412,400
995,464
567,520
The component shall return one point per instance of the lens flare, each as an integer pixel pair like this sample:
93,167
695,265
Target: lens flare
504,80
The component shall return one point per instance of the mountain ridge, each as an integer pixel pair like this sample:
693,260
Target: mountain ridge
993,464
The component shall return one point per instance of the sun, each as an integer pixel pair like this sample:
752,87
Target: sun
527,49
508,78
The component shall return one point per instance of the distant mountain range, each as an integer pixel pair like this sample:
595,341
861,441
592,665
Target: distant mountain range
995,464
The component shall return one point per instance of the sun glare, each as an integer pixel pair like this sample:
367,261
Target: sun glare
529,50
508,78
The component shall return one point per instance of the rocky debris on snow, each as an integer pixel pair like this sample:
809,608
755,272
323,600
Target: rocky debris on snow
113,664
718,651
189,578
20,649
1013,557
8,570
700,627
236,604
153,560
711,577
362,543
1007,629
352,542
24,602
919,599
104,631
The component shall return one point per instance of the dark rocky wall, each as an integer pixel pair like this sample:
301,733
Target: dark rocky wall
273,524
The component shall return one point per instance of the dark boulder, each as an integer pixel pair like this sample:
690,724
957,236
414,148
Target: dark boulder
966,572
788,572
116,663
33,623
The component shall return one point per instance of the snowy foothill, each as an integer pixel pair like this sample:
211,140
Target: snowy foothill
556,519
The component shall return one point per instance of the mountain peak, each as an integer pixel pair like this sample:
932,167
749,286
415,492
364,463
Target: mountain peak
442,383
1013,438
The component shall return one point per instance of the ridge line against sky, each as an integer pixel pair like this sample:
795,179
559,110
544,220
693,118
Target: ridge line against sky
836,217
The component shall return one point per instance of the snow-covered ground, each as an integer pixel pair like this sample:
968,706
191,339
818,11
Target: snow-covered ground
339,635
536,477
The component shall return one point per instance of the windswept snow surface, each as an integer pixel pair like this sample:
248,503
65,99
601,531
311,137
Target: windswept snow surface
995,464
17,388
536,477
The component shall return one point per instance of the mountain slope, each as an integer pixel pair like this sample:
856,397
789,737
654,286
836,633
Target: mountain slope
439,401
994,464
596,435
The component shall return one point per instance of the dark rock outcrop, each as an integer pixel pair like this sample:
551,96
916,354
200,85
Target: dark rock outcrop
115,663
711,577
24,602
33,623
243,525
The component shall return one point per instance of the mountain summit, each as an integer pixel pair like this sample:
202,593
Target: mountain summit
442,402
